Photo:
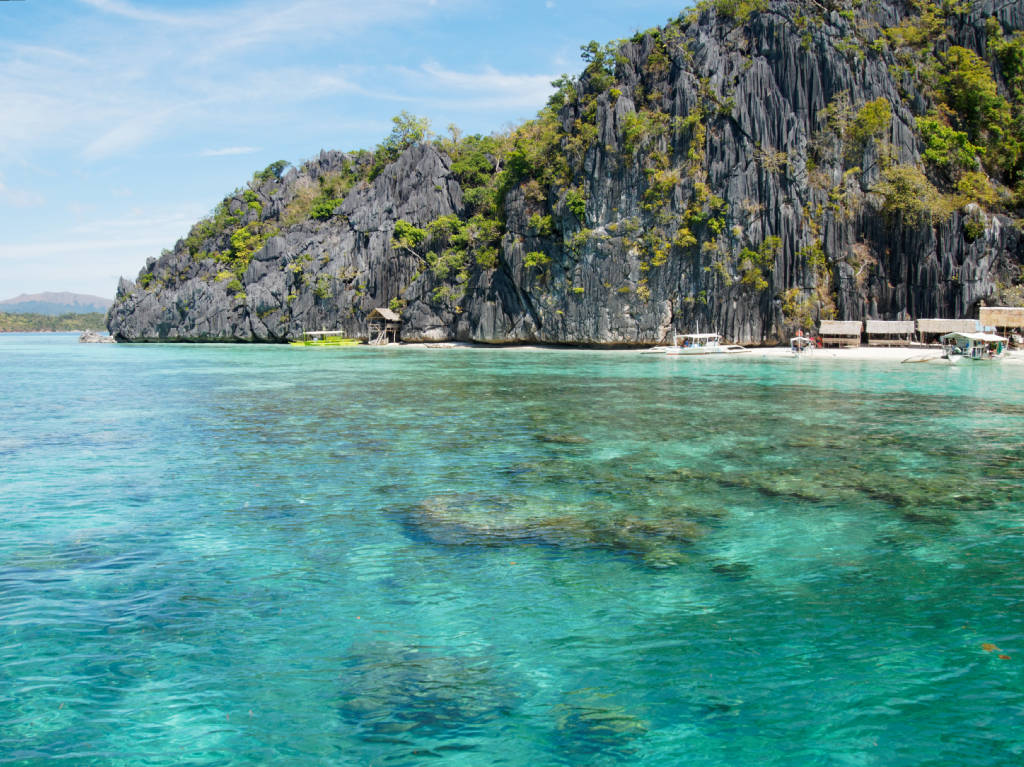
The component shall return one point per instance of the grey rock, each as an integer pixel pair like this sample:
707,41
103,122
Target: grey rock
765,86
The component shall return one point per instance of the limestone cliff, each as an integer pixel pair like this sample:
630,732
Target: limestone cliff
751,167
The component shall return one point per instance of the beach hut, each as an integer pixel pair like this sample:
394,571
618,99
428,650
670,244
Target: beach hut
890,332
1007,320
840,332
384,326
930,331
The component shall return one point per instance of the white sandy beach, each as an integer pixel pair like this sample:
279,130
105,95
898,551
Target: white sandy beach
896,354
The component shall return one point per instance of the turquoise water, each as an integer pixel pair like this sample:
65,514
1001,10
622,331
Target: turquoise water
227,555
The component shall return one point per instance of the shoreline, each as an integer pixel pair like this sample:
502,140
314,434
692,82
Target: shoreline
899,354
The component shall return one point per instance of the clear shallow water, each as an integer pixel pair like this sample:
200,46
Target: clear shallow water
218,555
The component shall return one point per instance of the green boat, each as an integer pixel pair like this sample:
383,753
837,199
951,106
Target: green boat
325,338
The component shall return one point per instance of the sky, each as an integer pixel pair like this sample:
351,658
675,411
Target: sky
125,121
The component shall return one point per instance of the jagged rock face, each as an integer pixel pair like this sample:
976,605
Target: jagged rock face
762,89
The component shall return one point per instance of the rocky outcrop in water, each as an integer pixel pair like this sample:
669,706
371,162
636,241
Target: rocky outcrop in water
752,168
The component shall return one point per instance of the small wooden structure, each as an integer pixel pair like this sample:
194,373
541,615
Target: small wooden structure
930,331
840,332
384,327
890,332
1007,320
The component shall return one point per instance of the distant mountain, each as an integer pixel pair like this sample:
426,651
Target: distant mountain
55,303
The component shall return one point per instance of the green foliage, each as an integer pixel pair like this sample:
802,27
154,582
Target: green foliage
565,93
535,152
641,128
798,308
397,304
542,226
684,238
272,171
910,196
870,123
443,228
968,87
323,208
320,202
408,130
576,201
739,10
976,187
815,257
656,247
474,159
245,241
486,257
600,60
756,264
536,260
660,185
322,289
1010,55
947,149
47,323
220,222
407,236
455,244
974,228
975,116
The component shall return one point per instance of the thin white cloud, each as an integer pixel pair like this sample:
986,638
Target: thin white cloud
228,151
138,224
489,88
19,198
128,134
130,11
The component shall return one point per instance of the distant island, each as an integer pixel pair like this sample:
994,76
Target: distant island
55,304
751,168
46,323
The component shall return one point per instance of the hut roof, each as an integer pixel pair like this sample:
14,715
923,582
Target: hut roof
890,327
1002,316
384,314
840,327
947,326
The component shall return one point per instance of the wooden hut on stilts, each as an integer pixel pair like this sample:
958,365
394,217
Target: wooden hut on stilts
384,327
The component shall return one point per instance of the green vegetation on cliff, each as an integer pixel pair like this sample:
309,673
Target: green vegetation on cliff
762,164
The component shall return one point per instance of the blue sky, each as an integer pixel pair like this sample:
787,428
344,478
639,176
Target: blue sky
124,121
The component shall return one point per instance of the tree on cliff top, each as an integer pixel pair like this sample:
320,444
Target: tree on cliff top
409,129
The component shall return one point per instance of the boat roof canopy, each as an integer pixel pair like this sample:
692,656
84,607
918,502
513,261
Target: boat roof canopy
323,332
700,336
975,336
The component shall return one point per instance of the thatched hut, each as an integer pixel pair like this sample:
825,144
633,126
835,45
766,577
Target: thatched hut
1007,320
890,332
930,331
384,327
840,332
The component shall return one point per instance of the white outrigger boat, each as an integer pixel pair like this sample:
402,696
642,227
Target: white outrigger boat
977,347
325,338
697,344
801,346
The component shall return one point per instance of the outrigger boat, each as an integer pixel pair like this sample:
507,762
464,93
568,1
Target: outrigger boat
801,346
695,344
325,338
977,347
